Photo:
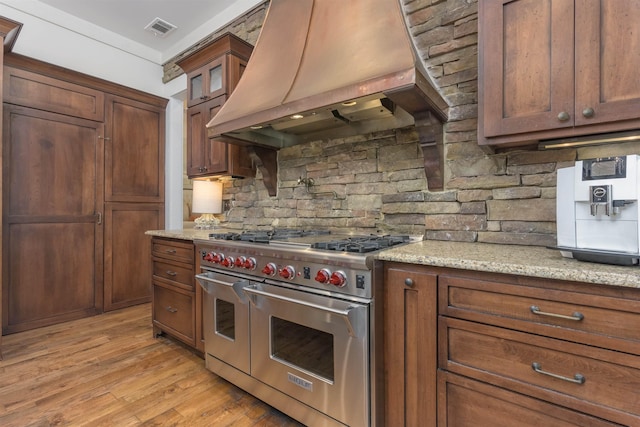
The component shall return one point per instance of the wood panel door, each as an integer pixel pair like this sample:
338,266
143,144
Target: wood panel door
410,345
52,198
607,61
525,77
134,151
127,252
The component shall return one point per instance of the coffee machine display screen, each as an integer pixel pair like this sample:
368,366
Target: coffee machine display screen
604,168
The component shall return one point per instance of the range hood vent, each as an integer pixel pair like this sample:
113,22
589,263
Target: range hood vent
327,69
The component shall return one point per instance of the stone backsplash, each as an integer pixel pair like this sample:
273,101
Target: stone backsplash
376,183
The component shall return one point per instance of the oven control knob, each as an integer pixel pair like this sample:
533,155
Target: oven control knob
338,279
240,261
217,258
250,263
209,256
323,276
270,269
287,272
228,262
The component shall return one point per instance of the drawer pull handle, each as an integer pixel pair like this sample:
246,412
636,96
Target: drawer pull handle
408,282
577,316
577,378
171,309
170,251
171,273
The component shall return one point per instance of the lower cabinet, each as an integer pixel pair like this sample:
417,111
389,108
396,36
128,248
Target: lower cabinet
174,294
410,345
511,350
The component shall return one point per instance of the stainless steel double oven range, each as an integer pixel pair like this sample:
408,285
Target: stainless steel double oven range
291,316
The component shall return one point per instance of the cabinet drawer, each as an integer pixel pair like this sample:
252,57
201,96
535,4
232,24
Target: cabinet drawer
580,377
175,272
464,402
173,311
173,250
600,320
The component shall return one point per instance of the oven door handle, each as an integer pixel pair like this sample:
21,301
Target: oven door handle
347,314
206,282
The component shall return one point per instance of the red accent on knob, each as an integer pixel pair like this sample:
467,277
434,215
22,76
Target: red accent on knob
228,262
323,276
338,279
287,272
217,258
250,263
270,269
209,256
240,262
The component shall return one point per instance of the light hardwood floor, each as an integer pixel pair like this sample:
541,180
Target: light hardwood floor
108,370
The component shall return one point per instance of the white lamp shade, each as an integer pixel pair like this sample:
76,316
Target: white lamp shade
207,196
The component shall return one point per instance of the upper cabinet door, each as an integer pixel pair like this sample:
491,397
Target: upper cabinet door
207,82
557,68
526,68
607,60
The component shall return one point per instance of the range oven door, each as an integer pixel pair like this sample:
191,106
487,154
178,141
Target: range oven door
225,314
313,348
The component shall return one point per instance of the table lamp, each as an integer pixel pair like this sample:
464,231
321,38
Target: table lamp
207,200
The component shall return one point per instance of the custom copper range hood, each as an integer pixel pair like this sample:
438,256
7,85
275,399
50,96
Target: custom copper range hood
330,69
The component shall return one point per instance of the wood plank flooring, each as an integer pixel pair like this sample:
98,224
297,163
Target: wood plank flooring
108,370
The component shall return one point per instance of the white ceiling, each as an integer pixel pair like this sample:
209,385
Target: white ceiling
126,19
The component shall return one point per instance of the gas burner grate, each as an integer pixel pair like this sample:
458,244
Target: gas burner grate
361,244
265,236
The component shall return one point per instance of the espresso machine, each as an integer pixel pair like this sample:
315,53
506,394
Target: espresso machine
597,210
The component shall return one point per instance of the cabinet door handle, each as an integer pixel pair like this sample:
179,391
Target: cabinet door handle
577,316
577,378
409,282
171,273
171,309
170,251
563,116
588,112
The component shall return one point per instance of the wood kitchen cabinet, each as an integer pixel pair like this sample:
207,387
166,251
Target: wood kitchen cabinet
174,296
212,74
134,196
8,33
511,350
83,169
557,69
525,351
410,319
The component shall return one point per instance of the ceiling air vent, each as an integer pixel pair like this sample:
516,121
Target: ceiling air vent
160,27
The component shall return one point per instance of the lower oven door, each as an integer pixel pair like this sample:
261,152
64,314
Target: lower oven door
313,348
225,311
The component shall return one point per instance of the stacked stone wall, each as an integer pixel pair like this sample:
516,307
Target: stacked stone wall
379,180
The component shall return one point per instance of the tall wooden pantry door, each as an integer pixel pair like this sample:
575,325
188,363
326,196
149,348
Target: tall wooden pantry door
134,197
53,170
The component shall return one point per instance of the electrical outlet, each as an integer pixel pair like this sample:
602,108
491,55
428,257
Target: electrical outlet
226,205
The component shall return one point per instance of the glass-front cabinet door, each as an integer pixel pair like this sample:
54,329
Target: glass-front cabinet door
207,82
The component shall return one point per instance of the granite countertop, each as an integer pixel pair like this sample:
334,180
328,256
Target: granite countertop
510,259
183,234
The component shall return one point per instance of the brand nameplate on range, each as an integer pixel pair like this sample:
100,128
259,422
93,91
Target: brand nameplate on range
300,382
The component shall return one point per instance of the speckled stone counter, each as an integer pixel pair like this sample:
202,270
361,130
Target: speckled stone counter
510,259
183,234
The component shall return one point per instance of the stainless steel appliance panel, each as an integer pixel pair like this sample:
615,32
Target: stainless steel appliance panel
226,318
313,348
